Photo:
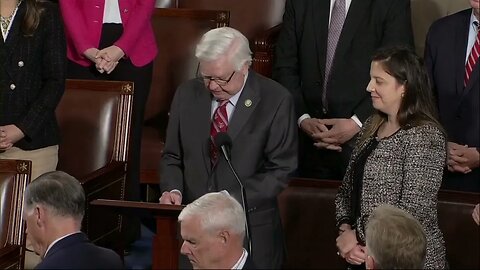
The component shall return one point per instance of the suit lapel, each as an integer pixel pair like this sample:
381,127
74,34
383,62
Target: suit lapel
246,104
356,13
201,122
15,32
473,78
320,13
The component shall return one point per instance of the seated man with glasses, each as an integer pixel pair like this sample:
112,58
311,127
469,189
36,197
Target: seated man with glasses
258,116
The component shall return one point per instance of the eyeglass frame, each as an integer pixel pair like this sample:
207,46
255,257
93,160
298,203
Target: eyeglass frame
219,81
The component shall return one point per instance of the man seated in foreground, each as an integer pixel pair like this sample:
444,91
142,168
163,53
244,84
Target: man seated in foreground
213,231
395,240
54,209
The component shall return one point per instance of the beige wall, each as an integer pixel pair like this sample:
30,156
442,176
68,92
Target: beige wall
425,12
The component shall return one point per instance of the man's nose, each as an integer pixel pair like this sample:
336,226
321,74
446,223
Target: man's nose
212,85
184,249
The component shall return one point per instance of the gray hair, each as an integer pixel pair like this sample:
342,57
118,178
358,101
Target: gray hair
60,192
217,210
224,41
395,239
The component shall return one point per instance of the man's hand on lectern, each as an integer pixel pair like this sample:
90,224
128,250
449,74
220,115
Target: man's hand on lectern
171,197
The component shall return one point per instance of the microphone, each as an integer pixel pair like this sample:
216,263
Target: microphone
224,143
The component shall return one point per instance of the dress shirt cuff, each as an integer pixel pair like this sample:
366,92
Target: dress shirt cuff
303,117
177,191
356,120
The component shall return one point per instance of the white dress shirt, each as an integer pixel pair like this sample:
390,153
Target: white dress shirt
111,13
472,35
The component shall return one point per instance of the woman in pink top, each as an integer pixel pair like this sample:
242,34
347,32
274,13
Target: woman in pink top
114,40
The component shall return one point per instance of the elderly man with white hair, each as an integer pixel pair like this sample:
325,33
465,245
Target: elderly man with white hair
213,231
258,116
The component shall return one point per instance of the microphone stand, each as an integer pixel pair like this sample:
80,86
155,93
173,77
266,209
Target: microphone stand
243,196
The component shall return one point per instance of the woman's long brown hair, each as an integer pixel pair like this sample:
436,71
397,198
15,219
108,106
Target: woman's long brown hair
32,16
418,103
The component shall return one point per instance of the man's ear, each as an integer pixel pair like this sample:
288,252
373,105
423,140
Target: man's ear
370,263
245,68
40,214
224,236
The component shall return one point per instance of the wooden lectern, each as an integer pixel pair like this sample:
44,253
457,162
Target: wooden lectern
165,244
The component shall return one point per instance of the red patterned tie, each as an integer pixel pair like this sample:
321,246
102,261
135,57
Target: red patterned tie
472,59
219,124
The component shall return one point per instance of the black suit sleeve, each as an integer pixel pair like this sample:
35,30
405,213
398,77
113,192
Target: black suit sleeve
286,66
53,66
171,164
398,25
429,57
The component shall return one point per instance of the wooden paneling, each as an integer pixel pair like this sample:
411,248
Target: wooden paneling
248,16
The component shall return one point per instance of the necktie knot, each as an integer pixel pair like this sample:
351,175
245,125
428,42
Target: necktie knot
222,103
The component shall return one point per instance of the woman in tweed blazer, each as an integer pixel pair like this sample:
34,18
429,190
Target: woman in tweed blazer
398,159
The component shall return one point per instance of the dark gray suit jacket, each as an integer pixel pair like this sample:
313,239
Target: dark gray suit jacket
32,78
302,46
264,152
459,106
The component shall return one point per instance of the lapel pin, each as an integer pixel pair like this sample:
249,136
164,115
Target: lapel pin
248,103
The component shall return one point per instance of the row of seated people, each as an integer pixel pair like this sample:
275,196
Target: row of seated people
213,229
300,205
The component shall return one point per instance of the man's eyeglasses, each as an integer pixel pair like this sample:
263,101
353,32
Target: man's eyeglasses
219,81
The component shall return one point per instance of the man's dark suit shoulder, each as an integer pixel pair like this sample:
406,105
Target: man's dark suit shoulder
249,265
77,252
269,87
445,25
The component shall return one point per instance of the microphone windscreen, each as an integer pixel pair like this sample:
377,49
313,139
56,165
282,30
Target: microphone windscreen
222,139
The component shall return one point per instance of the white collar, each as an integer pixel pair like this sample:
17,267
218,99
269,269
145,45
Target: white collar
241,261
473,19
